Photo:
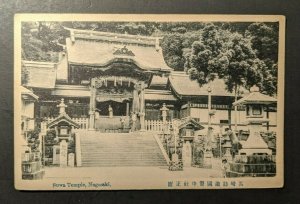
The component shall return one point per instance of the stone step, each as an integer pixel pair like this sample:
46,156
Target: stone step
123,158
133,160
120,149
117,165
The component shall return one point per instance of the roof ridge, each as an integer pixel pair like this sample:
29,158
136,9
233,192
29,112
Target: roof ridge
110,33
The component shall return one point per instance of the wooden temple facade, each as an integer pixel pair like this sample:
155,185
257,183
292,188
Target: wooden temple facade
118,81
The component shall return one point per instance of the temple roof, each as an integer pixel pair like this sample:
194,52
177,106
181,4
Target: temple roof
255,97
71,91
188,121
100,49
27,94
159,95
182,85
159,81
63,118
40,74
103,53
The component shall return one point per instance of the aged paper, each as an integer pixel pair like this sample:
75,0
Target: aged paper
120,102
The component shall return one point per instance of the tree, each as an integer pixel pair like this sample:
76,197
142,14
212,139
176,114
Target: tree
228,55
201,63
173,51
40,40
264,39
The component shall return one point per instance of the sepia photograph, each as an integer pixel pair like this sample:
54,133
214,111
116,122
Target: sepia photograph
120,102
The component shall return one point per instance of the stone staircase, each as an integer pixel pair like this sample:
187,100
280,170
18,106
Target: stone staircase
120,149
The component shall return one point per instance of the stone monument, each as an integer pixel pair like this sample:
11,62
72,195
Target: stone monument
63,156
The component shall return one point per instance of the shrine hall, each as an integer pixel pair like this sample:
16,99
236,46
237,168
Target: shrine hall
111,80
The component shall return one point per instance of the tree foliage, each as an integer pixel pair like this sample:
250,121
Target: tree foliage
242,53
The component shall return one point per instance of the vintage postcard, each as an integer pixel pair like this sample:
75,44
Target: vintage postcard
120,102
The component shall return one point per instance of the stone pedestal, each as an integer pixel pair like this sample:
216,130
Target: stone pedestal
71,159
227,155
63,157
97,115
174,157
142,121
255,143
92,120
55,155
207,160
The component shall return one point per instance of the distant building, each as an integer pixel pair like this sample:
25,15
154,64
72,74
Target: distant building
27,114
99,70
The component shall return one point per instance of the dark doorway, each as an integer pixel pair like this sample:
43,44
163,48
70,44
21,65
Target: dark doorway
119,109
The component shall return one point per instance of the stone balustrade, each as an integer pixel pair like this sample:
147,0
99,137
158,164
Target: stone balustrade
157,125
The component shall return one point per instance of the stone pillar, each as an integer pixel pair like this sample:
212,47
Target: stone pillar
63,156
209,106
71,159
164,114
127,109
135,105
142,121
92,105
55,156
187,154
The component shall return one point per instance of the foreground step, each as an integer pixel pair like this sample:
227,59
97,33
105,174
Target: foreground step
120,149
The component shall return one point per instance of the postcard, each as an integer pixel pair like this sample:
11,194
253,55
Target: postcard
132,101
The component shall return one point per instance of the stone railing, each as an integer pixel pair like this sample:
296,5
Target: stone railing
156,125
83,122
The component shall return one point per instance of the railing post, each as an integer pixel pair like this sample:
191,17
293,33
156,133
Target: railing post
78,150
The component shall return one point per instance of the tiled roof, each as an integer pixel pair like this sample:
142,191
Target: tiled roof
101,53
190,121
182,85
159,81
71,91
27,92
63,117
161,95
40,74
256,97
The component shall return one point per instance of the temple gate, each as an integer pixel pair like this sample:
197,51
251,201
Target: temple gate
114,103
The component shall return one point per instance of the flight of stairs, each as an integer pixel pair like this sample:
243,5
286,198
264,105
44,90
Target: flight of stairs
120,149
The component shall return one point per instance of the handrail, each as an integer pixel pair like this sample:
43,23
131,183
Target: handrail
162,149
78,149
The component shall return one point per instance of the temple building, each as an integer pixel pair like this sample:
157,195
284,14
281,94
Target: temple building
114,79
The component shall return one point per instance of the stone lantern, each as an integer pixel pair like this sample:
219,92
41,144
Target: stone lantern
255,117
227,146
164,112
63,124
187,132
64,127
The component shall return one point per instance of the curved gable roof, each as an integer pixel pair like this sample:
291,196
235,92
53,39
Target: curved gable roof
102,48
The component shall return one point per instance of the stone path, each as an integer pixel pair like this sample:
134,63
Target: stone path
131,172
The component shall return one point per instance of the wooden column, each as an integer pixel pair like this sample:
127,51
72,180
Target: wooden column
142,105
135,102
92,105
